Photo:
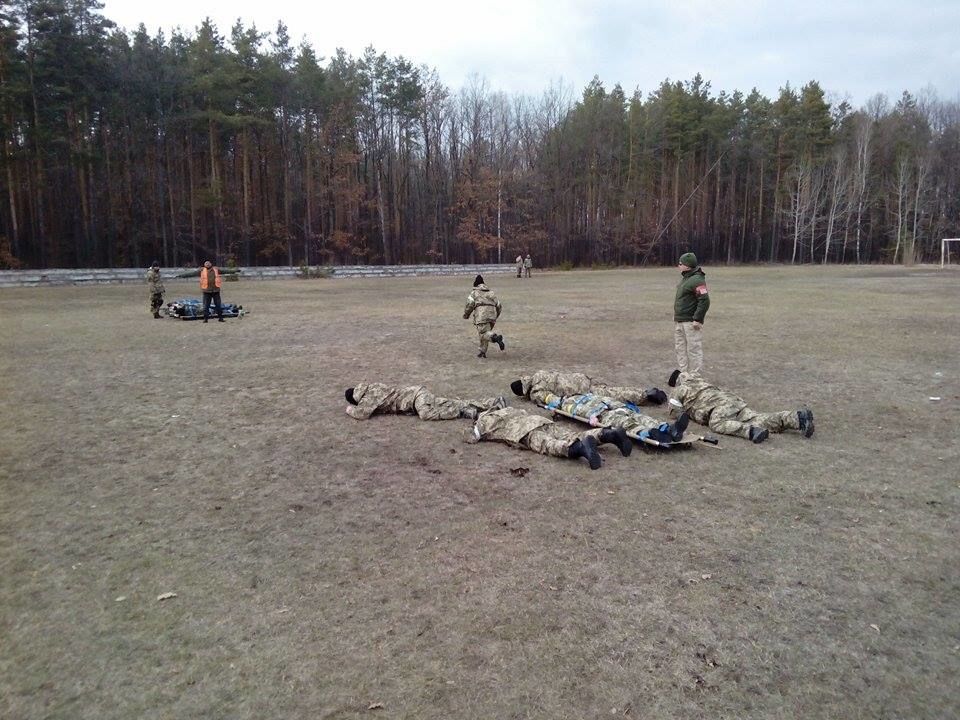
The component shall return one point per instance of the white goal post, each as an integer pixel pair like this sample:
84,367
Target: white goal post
945,250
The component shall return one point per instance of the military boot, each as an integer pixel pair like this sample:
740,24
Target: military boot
679,427
156,314
481,354
805,416
498,339
758,435
586,448
469,412
617,436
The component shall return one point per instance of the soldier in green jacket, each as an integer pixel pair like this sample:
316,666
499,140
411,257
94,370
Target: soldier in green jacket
534,387
156,288
689,309
523,429
368,399
485,308
727,414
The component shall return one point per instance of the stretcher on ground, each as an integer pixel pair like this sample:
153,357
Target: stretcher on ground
192,309
688,438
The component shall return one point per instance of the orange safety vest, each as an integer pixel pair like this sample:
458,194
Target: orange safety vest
205,279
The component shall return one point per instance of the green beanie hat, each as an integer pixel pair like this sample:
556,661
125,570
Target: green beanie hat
688,259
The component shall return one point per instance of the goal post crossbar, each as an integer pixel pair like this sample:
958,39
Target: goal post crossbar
945,249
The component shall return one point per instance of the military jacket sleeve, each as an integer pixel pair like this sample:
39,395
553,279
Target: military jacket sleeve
375,396
470,306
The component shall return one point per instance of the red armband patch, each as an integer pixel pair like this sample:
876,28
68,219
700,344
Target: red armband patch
700,290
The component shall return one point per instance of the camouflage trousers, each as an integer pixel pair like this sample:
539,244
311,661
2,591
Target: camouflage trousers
156,302
739,423
433,407
688,342
486,333
633,395
554,439
632,422
544,436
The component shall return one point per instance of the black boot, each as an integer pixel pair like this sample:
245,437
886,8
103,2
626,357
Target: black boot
805,417
679,427
758,435
661,436
156,314
617,436
586,448
481,354
498,339
674,376
469,412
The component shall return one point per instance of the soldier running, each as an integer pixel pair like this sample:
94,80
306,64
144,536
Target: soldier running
727,414
485,308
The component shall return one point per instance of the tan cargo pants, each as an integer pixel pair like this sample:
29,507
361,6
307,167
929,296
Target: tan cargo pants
688,342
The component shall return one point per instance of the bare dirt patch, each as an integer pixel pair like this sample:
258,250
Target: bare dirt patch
324,567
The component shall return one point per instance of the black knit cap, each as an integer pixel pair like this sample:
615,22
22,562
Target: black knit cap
478,280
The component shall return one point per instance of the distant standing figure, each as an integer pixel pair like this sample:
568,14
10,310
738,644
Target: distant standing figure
156,288
689,308
527,264
485,308
210,281
519,262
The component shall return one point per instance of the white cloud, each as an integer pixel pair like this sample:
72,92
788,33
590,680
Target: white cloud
849,47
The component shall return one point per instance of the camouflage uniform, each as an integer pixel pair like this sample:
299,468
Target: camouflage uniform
485,308
373,398
725,413
605,412
156,291
544,382
527,264
519,262
519,428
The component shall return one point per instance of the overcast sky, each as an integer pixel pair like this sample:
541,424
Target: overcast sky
854,49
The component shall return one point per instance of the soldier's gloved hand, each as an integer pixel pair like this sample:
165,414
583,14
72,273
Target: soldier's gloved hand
655,395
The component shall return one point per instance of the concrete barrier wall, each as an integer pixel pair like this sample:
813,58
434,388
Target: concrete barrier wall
42,278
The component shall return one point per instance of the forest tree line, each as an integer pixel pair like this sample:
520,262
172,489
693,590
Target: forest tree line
121,147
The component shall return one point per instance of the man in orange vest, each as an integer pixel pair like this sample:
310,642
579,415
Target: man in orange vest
210,281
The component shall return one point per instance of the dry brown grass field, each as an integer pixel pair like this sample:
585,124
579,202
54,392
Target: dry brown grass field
329,568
